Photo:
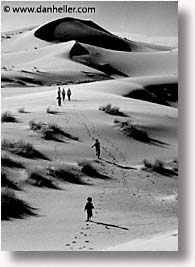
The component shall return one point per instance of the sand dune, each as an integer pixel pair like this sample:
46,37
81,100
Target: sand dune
132,64
163,242
131,202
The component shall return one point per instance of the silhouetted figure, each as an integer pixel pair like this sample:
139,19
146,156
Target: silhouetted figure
89,207
59,92
97,148
69,94
59,100
63,94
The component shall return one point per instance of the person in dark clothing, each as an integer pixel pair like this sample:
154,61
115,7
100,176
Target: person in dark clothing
69,94
59,100
59,92
97,148
89,207
63,94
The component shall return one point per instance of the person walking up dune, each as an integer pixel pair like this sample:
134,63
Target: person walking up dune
97,148
89,208
63,94
69,93
59,100
59,92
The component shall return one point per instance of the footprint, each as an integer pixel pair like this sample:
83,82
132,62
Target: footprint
67,245
86,241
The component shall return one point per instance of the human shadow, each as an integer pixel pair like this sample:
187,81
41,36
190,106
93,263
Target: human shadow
158,142
110,225
118,165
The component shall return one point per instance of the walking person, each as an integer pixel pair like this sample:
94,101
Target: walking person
63,94
69,94
97,148
59,100
89,208
59,92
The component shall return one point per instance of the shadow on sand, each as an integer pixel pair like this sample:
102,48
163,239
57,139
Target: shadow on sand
118,165
110,225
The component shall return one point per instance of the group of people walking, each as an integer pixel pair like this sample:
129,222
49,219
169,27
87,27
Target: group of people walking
61,95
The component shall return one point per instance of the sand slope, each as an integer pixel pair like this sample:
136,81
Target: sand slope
131,203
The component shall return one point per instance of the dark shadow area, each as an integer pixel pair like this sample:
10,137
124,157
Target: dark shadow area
38,180
138,134
110,225
106,68
164,92
158,142
22,149
112,110
6,161
6,182
84,31
37,155
88,169
53,112
118,165
23,111
144,95
66,175
13,207
8,117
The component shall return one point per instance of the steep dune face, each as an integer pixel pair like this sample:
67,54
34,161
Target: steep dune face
132,64
82,51
68,29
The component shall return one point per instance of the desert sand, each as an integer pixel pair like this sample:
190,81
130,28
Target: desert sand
132,203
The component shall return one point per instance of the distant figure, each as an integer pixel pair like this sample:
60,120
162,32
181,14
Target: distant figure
89,207
63,94
97,148
59,100
59,92
69,94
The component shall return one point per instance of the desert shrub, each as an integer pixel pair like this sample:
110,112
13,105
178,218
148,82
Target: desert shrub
58,130
8,162
50,111
13,207
35,126
49,131
8,117
158,166
115,121
5,182
133,131
21,110
88,169
67,174
111,110
37,179
147,164
136,133
20,148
